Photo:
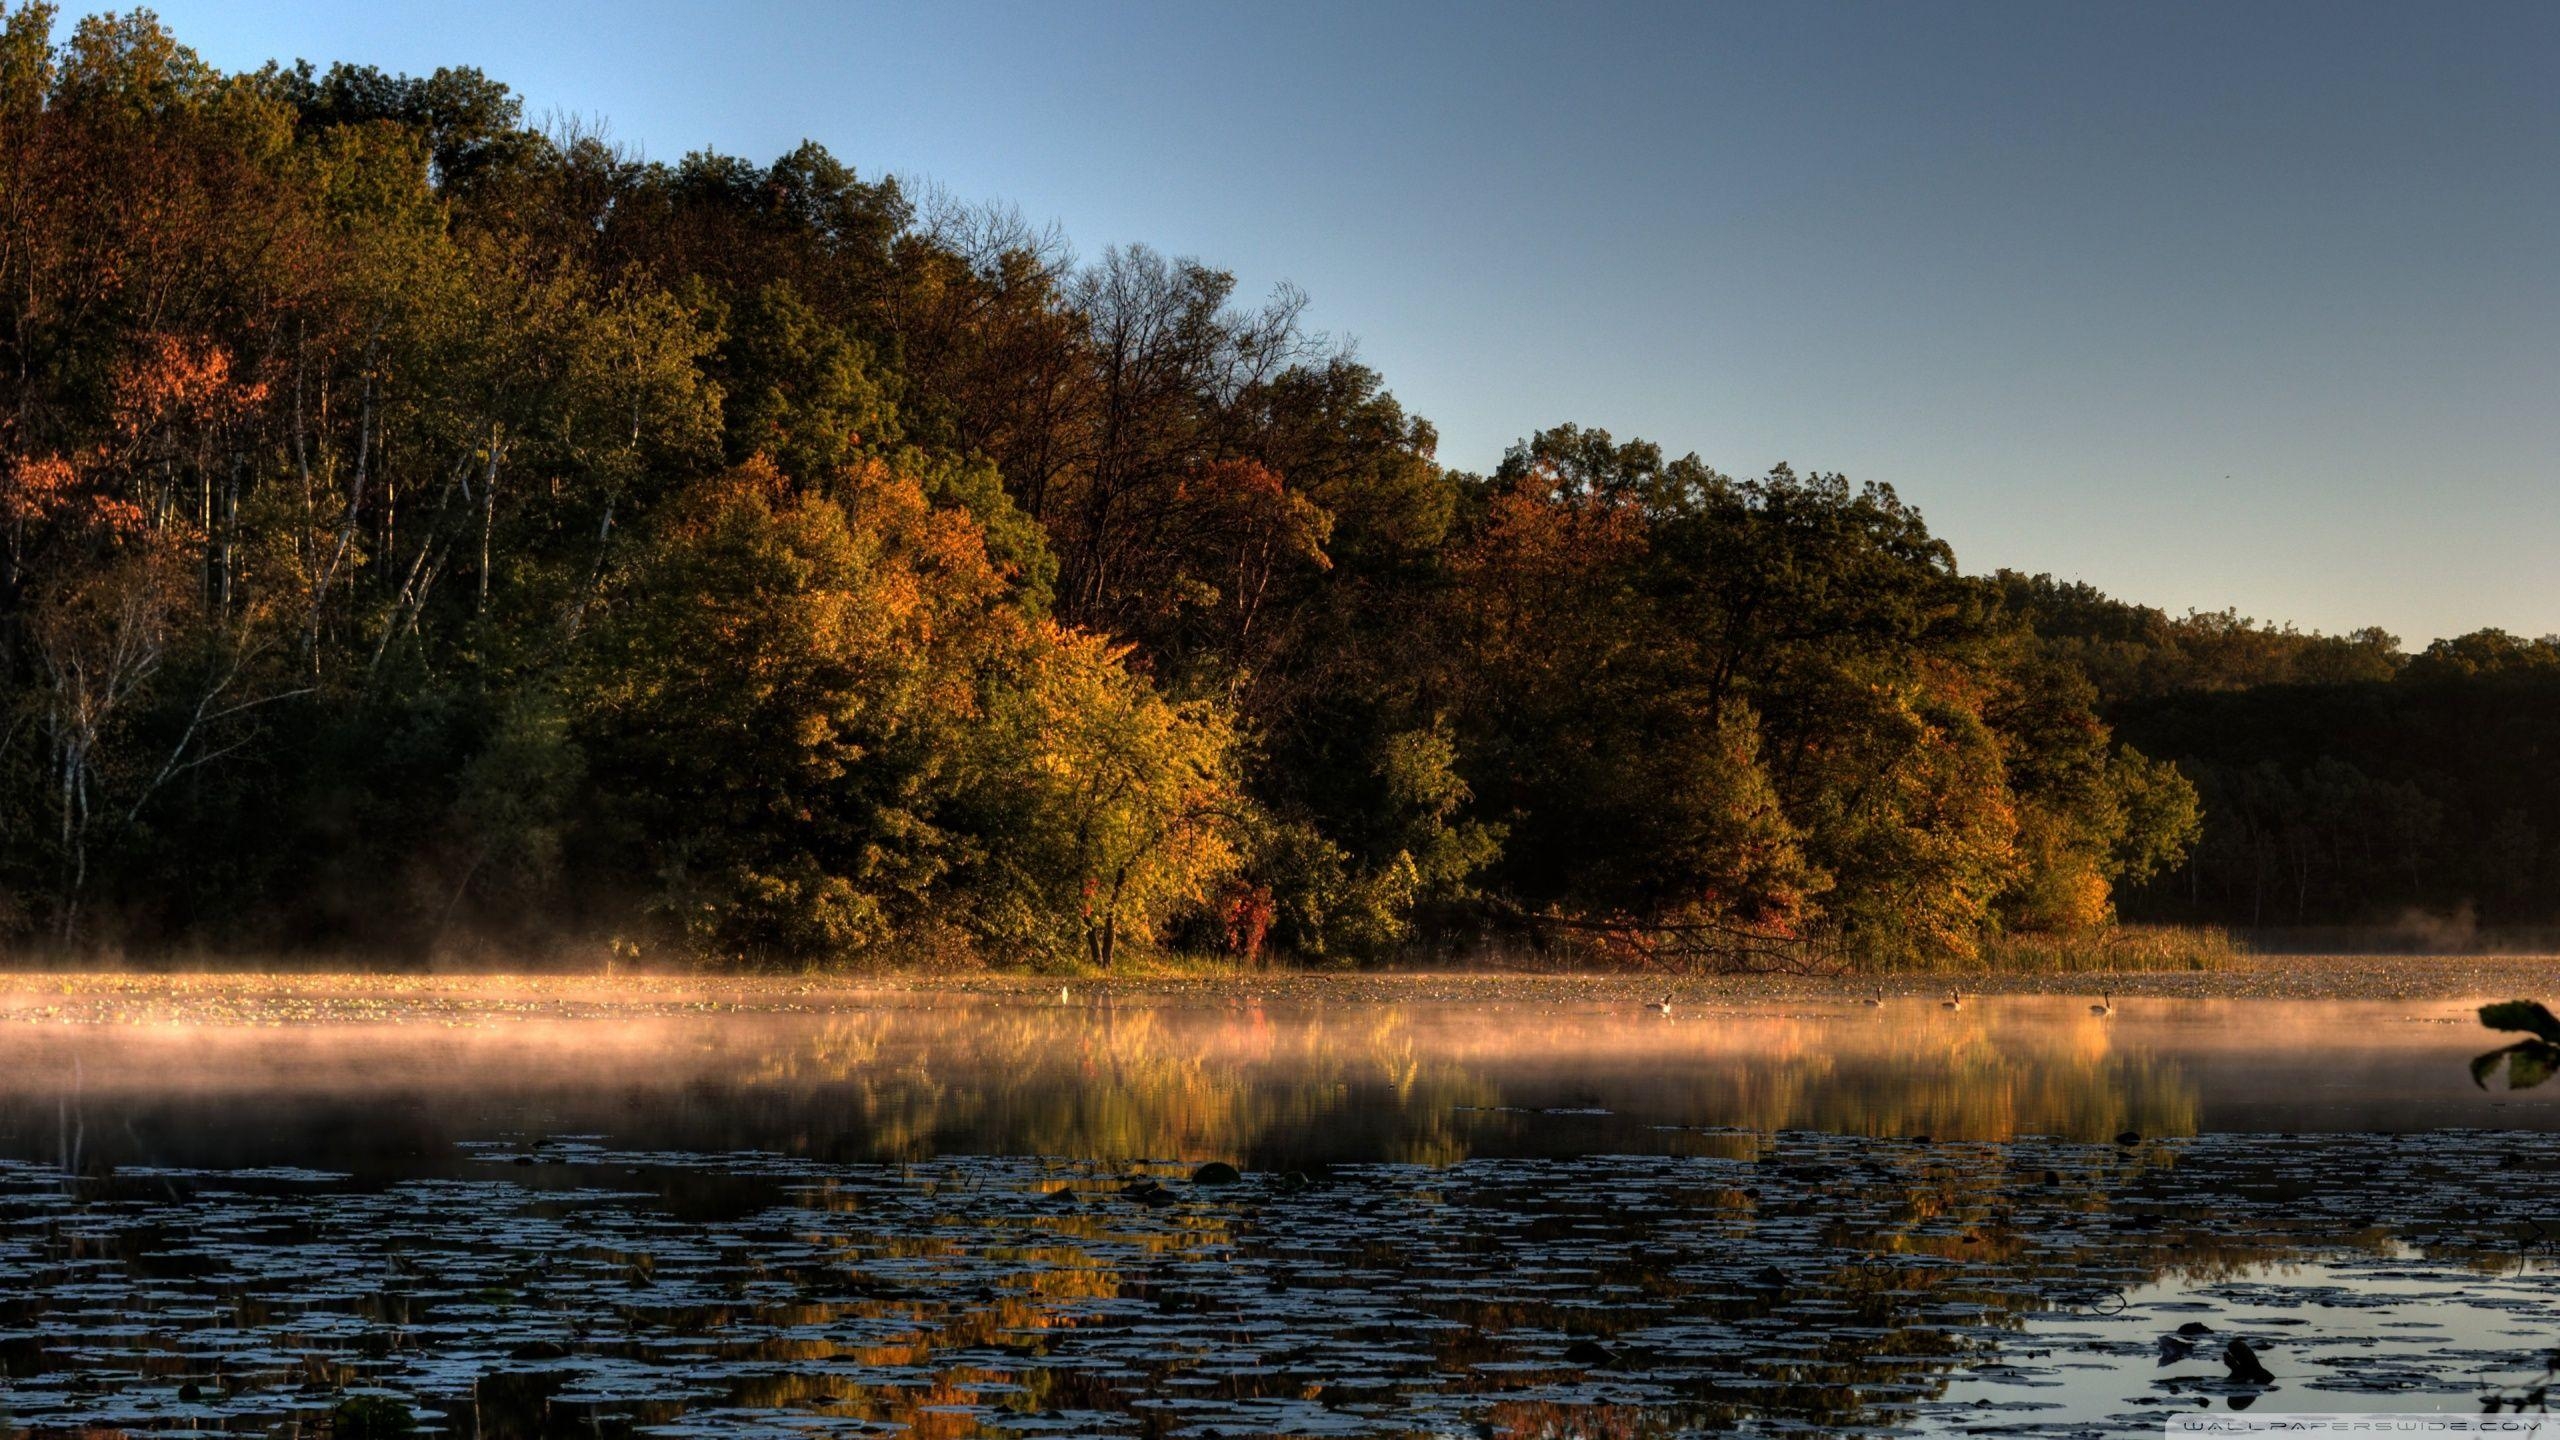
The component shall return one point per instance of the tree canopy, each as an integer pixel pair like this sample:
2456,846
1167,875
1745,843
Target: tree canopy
420,529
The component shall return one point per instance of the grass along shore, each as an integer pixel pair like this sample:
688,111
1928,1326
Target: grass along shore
304,997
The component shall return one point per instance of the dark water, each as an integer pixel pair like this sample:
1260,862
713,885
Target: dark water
829,1213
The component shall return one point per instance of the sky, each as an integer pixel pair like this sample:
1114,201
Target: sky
2251,305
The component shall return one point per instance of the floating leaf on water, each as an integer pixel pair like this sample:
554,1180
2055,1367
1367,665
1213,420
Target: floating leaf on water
2528,1063
2530,1017
2246,1367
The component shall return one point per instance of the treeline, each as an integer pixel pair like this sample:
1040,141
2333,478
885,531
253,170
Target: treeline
2135,652
418,529
2342,781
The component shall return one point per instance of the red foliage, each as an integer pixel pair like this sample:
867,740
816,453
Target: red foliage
1246,911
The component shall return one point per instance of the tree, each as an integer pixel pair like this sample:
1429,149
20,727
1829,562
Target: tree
416,523
2483,652
1768,710
775,703
797,390
1104,806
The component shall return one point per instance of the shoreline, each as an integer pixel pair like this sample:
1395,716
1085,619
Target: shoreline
295,996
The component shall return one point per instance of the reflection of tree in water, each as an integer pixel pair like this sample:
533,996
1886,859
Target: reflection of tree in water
1952,1079
1131,1084
1283,1088
1390,1082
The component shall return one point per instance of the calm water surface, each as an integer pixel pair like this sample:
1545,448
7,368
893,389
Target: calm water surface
785,1212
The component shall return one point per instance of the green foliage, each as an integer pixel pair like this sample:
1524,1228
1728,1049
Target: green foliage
1418,781
799,391
1328,909
517,797
2483,652
2335,781
468,123
773,701
2160,815
2134,652
2361,803
1014,541
1417,855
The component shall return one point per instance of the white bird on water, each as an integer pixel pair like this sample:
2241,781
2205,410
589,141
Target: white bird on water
1954,1001
2106,1005
1661,1006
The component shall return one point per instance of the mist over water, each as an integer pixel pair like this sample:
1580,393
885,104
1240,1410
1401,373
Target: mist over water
681,1209
392,1077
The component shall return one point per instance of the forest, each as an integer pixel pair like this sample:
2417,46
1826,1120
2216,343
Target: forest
422,531
2343,782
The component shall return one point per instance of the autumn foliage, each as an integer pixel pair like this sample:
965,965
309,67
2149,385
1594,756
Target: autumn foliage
421,531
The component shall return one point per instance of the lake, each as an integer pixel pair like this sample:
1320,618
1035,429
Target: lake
1463,1207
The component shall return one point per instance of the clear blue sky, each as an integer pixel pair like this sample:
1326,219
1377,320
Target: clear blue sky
2248,304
